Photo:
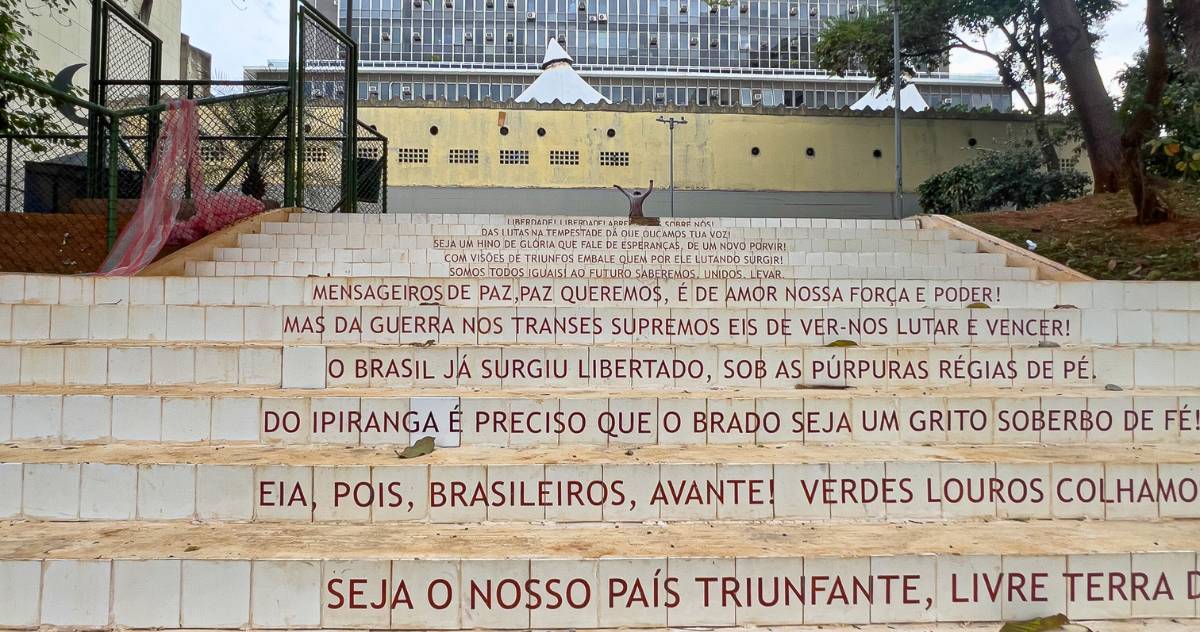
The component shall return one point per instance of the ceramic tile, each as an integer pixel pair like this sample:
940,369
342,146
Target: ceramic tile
20,583
491,613
76,593
285,594
440,581
108,491
166,491
351,595
215,594
146,593
701,602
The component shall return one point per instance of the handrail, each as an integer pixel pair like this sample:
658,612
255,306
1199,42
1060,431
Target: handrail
196,82
37,86
159,107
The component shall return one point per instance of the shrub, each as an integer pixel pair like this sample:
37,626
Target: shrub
999,179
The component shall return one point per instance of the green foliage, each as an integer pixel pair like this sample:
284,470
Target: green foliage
1174,152
1041,624
865,43
930,29
999,179
250,120
1172,158
24,111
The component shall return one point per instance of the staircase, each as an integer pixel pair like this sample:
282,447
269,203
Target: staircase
713,423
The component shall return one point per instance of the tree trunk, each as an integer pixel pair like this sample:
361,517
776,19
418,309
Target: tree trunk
1046,144
1072,46
1146,197
1188,12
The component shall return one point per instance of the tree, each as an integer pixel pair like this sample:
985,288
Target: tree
931,28
1071,43
1187,12
1146,197
250,121
24,111
1173,150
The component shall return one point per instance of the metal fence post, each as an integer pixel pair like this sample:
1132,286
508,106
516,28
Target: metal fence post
299,123
289,144
8,175
113,170
350,151
94,150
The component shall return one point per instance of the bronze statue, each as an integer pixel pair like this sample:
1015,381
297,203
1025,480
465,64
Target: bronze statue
635,205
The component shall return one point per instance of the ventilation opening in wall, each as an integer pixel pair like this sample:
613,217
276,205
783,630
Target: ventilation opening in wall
611,132
754,151
433,130
464,156
316,154
412,155
370,153
810,152
514,156
564,156
971,142
504,131
212,152
614,159
877,153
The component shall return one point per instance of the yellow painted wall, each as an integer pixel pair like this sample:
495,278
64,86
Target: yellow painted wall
713,151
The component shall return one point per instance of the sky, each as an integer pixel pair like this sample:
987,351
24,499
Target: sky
242,33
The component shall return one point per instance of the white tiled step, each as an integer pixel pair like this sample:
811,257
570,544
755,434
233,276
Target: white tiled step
580,367
38,289
591,222
805,327
367,417
593,257
614,221
287,576
586,325
618,231
593,484
474,240
598,272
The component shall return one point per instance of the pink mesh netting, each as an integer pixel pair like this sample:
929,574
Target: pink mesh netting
156,223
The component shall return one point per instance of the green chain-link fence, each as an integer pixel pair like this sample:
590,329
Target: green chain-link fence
70,184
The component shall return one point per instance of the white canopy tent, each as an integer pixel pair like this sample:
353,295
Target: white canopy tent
910,99
559,81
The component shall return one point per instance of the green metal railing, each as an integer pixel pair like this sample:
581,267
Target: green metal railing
59,194
109,124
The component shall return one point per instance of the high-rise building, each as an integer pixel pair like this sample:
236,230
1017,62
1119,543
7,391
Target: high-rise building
684,52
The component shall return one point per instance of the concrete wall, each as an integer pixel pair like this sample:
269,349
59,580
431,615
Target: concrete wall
713,152
63,39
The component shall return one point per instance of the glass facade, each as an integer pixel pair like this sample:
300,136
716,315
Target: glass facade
683,52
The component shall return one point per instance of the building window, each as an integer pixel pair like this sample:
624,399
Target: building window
614,159
514,156
564,156
464,156
413,155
